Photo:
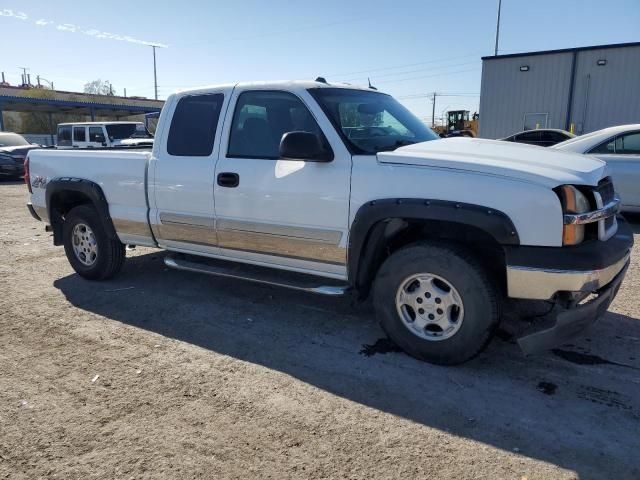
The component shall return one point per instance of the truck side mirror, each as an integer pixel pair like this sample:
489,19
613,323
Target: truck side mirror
304,146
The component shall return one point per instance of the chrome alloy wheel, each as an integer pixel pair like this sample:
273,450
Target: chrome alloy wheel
429,306
85,246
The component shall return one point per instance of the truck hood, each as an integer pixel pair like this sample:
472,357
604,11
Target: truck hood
507,159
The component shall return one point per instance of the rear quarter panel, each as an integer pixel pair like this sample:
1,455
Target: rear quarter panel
121,175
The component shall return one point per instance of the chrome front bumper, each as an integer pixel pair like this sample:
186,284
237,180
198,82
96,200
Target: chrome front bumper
603,212
543,283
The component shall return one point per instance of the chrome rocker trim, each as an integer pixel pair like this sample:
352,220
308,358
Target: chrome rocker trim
608,210
542,284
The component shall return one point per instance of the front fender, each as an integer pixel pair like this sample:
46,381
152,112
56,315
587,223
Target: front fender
369,226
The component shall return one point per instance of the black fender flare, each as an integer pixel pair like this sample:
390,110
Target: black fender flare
87,188
373,220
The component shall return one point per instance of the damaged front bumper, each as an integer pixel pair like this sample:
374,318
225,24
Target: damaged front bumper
567,276
569,320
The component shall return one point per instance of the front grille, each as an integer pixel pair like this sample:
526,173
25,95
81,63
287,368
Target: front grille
604,194
606,190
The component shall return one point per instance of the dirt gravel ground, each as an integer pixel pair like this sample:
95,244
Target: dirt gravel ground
164,374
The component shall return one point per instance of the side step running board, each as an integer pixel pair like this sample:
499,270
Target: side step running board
253,273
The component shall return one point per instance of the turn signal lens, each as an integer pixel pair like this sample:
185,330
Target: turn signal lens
573,201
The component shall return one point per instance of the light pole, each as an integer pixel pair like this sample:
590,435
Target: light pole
498,27
155,76
39,78
433,109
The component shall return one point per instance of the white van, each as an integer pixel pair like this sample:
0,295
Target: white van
103,134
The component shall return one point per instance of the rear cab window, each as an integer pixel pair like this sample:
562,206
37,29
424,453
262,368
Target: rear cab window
193,126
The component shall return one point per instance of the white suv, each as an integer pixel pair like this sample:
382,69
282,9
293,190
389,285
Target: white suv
103,134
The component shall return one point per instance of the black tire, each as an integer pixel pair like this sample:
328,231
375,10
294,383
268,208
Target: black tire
110,252
474,286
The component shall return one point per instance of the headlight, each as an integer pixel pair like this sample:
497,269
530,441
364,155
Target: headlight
573,201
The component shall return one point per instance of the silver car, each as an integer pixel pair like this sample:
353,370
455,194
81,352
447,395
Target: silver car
620,148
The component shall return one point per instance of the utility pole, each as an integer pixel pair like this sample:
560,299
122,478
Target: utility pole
155,76
25,80
498,27
433,110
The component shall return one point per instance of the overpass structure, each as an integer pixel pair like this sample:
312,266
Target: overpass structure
17,99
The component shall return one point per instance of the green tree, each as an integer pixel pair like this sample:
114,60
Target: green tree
99,87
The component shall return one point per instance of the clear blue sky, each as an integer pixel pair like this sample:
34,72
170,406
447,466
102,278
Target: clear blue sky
407,47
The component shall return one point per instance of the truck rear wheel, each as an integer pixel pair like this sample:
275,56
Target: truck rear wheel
436,302
90,251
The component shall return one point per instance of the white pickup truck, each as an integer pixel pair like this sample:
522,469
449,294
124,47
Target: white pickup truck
333,189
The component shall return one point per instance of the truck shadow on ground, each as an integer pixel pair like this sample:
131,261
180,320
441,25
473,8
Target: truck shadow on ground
564,408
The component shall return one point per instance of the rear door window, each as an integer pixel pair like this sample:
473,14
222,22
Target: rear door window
548,138
79,134
628,144
528,137
193,126
64,136
96,135
604,148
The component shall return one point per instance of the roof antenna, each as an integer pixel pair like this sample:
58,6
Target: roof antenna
371,86
321,80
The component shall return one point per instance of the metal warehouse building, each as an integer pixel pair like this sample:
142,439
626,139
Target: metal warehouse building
583,89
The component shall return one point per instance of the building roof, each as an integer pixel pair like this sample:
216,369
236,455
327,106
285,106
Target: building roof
563,50
21,100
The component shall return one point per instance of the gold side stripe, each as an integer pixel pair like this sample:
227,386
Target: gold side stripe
303,233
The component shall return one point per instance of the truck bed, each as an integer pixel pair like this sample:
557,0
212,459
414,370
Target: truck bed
120,173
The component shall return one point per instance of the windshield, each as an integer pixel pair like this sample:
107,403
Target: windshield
121,131
371,122
12,140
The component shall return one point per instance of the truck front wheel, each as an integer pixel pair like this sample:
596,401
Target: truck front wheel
90,251
436,302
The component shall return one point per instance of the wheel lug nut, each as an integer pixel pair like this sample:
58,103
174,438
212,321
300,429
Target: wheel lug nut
428,295
431,316
439,311
438,300
419,300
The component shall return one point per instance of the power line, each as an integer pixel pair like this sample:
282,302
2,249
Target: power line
426,62
429,76
443,67
425,95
